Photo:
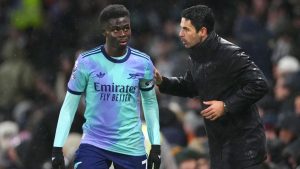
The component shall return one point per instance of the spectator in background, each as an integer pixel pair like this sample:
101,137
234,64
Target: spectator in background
63,75
287,86
289,132
291,154
16,74
187,159
8,158
286,65
43,132
297,104
203,162
251,34
200,142
172,128
191,159
283,94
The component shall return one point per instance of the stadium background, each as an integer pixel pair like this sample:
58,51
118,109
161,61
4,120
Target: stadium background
40,39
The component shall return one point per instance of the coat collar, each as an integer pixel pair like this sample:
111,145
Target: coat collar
204,49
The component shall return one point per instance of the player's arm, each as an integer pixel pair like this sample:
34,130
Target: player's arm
64,123
149,103
65,119
150,107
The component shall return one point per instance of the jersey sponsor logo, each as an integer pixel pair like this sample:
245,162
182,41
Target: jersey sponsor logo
114,88
134,75
113,92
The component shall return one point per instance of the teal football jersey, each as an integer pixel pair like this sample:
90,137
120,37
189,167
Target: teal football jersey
112,93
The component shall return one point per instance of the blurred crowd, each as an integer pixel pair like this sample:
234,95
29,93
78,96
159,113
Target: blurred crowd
40,39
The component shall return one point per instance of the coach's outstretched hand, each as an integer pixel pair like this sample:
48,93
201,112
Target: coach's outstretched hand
158,77
58,161
154,157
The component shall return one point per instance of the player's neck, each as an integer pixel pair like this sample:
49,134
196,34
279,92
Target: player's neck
113,51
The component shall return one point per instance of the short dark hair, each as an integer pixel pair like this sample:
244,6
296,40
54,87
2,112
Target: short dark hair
200,16
112,11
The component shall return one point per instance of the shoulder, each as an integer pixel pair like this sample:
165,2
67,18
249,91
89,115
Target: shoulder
229,49
229,46
84,58
139,54
90,52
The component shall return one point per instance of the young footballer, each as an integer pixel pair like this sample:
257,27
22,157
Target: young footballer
114,79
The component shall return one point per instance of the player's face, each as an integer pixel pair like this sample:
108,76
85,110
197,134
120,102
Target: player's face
118,32
189,35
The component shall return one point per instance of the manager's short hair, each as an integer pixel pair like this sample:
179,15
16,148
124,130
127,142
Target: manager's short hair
200,16
112,11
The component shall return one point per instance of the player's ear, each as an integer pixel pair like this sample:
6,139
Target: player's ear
104,32
202,32
103,29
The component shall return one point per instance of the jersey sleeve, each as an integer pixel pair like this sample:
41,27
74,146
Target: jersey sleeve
65,119
150,105
78,79
147,83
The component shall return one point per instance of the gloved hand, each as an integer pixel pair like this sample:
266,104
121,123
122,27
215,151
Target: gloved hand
58,161
154,157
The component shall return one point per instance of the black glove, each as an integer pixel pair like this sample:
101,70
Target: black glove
58,161
154,157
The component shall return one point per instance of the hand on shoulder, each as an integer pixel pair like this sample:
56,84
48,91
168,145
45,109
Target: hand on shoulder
158,77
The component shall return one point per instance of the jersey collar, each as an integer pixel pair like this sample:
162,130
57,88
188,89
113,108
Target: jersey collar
116,60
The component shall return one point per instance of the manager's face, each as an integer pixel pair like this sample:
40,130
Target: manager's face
188,33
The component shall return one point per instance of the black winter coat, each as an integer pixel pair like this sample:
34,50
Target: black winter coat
222,71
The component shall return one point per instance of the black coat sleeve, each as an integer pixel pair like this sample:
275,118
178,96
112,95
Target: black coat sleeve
251,82
179,86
